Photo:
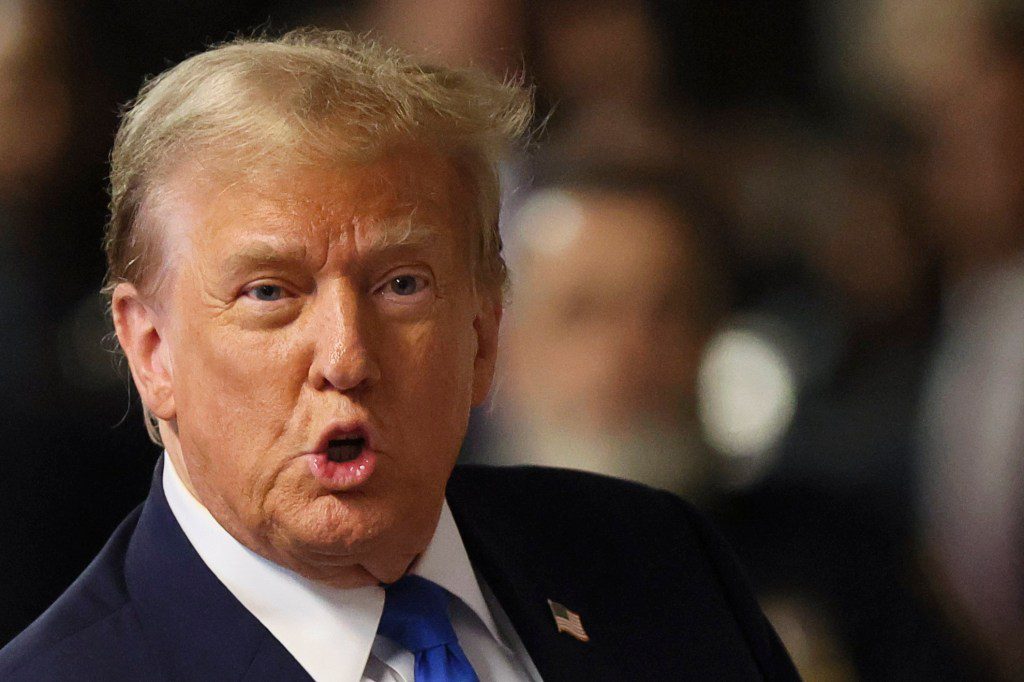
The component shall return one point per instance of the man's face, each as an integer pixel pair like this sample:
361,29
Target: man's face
609,321
324,343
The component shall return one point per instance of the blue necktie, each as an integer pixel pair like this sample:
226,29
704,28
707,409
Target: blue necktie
416,617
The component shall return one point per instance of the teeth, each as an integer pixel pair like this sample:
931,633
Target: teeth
344,450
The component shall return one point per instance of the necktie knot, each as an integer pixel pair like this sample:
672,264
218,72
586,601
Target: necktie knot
416,617
416,614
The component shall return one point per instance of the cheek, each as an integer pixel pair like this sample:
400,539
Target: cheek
237,386
429,372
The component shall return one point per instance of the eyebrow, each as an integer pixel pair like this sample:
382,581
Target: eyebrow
264,254
274,254
395,234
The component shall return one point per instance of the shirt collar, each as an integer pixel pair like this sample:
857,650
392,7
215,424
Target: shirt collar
330,631
446,563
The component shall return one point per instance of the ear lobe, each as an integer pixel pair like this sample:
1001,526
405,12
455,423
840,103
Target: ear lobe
486,325
135,323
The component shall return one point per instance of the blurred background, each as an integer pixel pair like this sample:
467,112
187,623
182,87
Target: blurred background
766,254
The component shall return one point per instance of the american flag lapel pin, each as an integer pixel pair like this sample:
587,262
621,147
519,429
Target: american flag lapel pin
568,621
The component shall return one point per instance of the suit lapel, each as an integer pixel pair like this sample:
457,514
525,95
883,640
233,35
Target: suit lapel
201,632
523,582
198,628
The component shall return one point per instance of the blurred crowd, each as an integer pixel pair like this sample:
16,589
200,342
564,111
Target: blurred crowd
767,255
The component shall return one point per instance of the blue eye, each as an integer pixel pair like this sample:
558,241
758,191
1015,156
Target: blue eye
404,285
267,292
408,289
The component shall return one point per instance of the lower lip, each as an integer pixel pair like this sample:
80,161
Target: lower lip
342,476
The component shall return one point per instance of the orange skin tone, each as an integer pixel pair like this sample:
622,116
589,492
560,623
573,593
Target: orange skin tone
297,299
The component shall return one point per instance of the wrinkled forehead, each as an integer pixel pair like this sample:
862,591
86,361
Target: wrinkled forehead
387,199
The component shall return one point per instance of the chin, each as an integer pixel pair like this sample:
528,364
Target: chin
333,536
332,524
346,543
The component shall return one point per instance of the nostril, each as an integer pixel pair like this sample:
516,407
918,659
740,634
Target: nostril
345,369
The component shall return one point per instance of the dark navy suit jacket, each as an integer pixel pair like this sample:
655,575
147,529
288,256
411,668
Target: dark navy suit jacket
656,589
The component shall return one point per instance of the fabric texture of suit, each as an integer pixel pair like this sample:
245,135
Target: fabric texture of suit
660,595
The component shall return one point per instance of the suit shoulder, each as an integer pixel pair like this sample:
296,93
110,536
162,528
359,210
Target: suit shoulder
108,648
561,510
568,519
573,497
530,481
87,632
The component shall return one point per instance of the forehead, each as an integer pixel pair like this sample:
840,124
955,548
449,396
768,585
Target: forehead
211,207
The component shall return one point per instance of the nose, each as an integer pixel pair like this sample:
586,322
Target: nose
345,357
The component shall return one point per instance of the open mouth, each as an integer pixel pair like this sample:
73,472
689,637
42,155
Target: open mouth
344,462
344,449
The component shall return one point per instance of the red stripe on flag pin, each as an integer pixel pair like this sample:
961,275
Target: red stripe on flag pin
568,621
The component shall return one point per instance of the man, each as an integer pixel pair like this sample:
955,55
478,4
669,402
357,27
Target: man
305,278
601,374
971,510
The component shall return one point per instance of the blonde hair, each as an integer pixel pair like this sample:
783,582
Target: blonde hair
308,97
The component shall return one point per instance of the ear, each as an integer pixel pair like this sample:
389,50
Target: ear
136,324
486,325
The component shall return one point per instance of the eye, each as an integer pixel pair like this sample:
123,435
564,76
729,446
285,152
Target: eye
266,292
405,285
406,288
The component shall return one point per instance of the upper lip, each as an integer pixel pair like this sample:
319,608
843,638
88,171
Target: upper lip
345,430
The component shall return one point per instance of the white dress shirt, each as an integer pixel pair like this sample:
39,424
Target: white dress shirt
332,632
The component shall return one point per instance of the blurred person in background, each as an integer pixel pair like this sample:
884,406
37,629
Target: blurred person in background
852,313
826,528
972,502
613,301
953,71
